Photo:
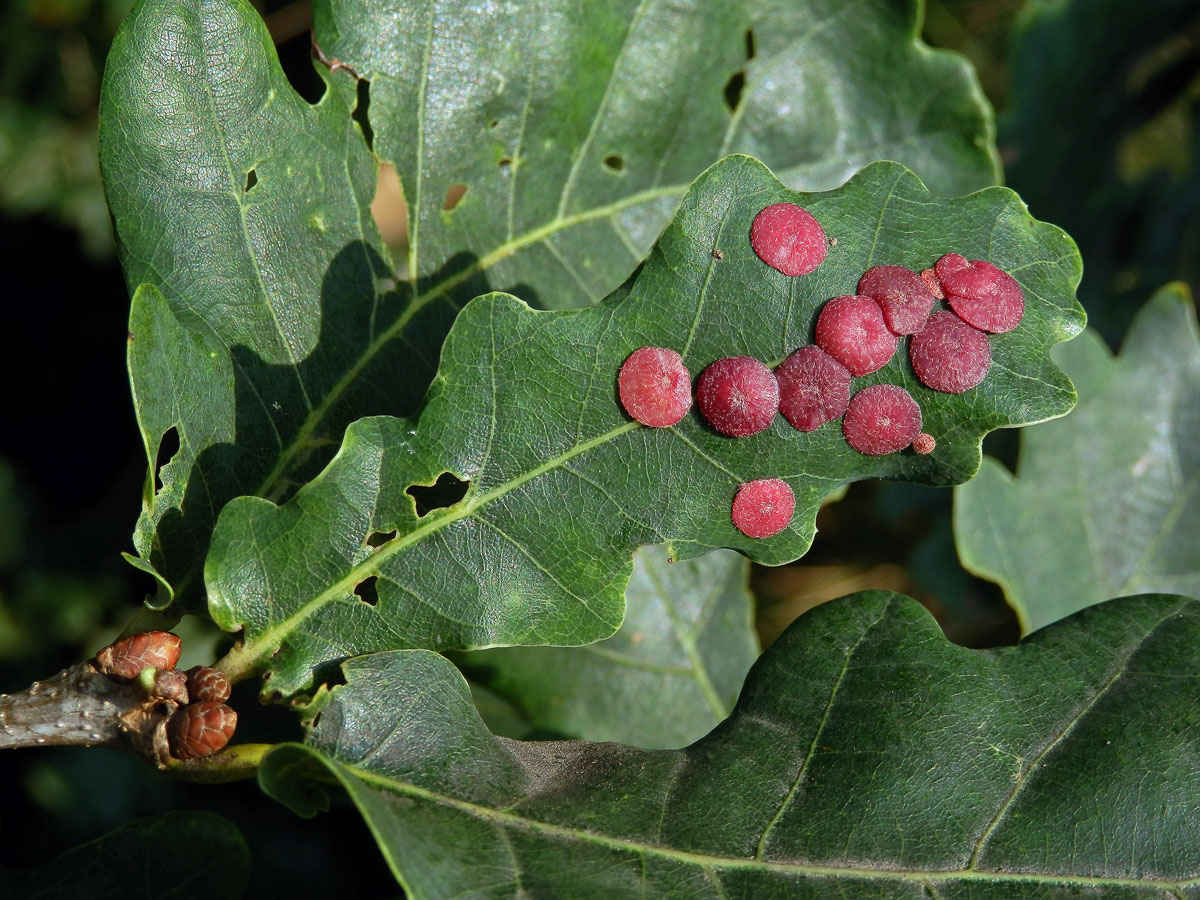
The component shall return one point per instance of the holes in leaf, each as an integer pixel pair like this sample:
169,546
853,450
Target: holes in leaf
361,106
733,89
749,44
296,57
365,591
614,163
379,538
389,209
251,180
454,195
505,166
443,493
493,123
168,446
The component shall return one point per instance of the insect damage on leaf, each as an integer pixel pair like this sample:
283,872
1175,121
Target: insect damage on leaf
655,386
852,330
763,508
787,237
564,484
882,418
738,396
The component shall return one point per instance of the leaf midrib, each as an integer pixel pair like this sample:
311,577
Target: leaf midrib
240,661
706,860
318,412
238,196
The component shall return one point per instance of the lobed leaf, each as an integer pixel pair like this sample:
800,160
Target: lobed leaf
670,673
563,486
1105,502
243,225
265,315
867,756
576,127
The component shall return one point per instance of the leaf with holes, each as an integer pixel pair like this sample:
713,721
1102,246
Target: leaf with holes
542,147
867,756
664,679
1106,502
265,317
243,223
562,487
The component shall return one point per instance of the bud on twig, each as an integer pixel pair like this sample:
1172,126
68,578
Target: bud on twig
128,696
127,657
200,729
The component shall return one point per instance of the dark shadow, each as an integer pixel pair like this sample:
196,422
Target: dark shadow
300,67
443,493
271,407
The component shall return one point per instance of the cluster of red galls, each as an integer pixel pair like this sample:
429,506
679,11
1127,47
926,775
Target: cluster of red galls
855,335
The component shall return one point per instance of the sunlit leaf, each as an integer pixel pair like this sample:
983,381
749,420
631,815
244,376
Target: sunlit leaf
561,487
867,757
1106,501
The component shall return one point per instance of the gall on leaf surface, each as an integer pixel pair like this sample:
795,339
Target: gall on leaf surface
1107,501
264,321
564,487
866,757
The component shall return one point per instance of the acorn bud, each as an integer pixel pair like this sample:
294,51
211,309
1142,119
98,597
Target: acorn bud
125,659
207,684
200,729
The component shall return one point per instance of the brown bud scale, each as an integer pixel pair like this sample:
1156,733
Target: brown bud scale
200,729
170,685
127,657
208,684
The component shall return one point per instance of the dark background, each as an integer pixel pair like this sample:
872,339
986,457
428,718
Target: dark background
1099,109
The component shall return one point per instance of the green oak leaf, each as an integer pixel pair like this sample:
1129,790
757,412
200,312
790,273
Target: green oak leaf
1106,502
573,154
253,297
564,487
867,756
265,314
179,855
669,674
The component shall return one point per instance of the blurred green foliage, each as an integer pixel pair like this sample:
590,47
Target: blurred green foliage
1099,104
53,54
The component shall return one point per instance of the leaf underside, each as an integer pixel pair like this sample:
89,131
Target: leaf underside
669,674
1106,501
266,313
563,486
867,757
